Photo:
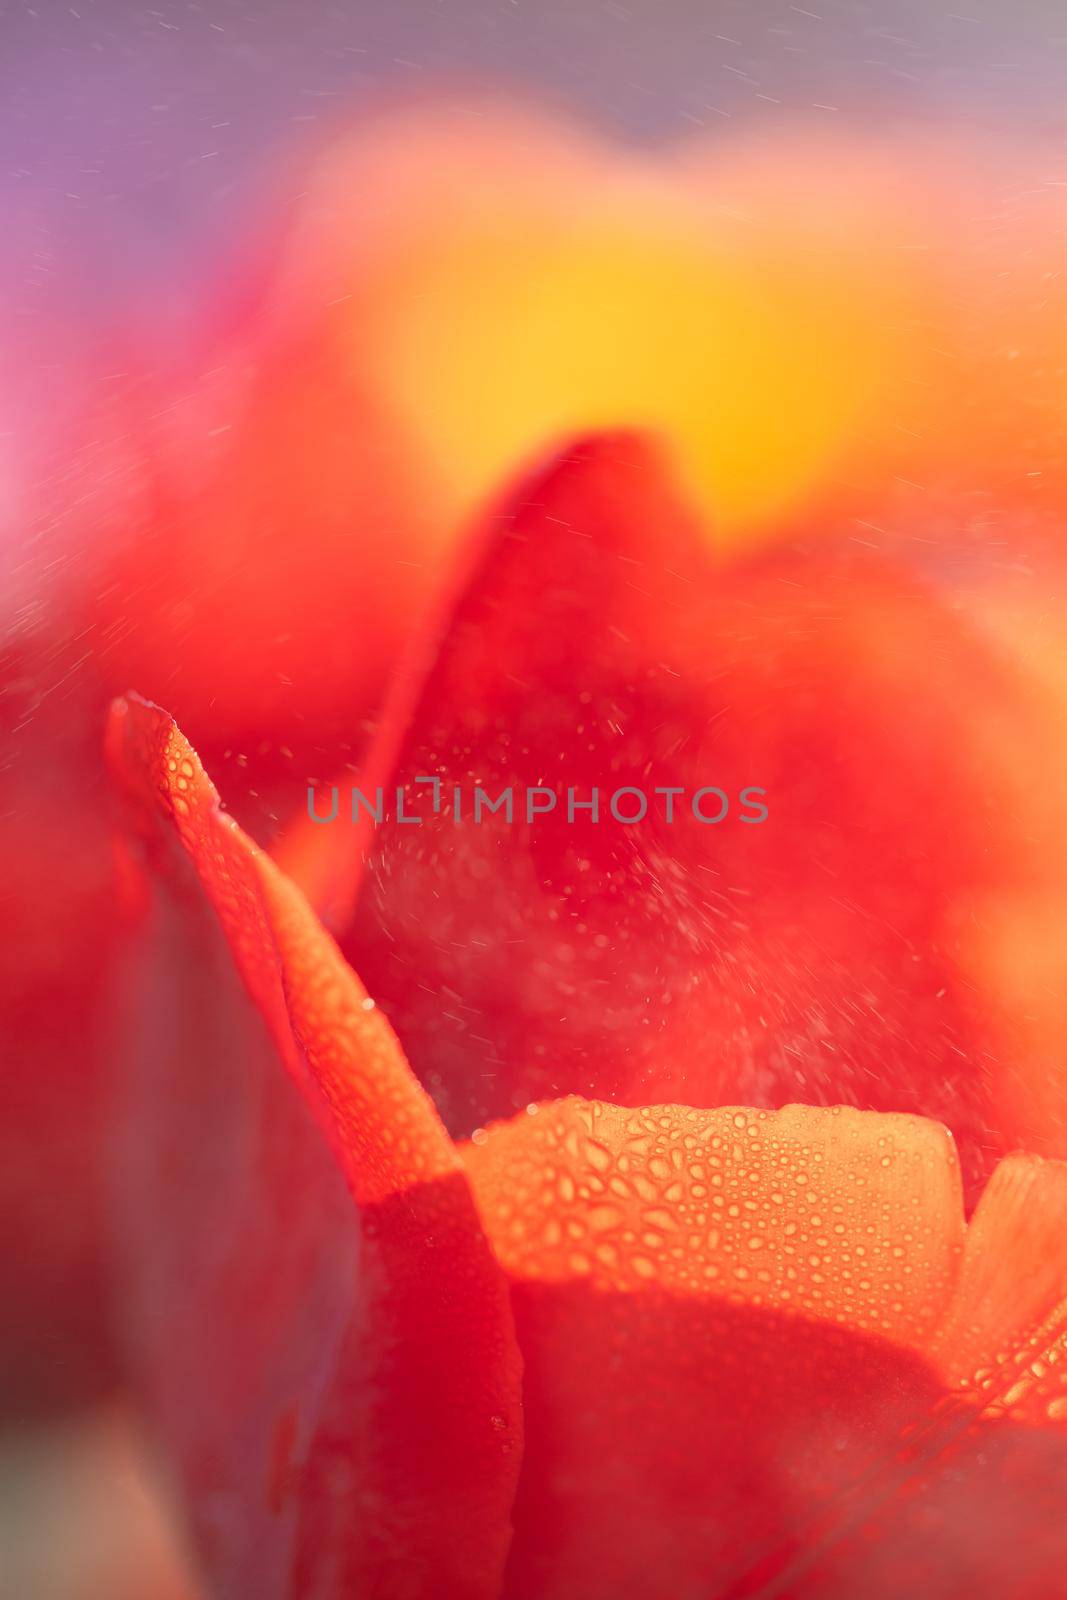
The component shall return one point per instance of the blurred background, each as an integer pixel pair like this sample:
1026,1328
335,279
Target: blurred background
178,229
139,141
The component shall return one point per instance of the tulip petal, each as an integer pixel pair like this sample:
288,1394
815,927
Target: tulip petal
765,1207
730,1322
978,1508
708,1360
403,1473
256,522
815,953
752,301
1005,1336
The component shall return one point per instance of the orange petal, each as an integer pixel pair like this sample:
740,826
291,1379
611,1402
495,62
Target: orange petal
1004,1337
398,1451
977,1507
806,1209
750,305
719,1313
730,1321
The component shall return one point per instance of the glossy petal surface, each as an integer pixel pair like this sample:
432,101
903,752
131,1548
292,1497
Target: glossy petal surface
342,1380
761,1353
736,1328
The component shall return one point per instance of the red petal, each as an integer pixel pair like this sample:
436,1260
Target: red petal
349,1379
258,524
61,942
815,953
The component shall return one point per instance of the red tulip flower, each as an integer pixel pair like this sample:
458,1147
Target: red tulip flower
844,345
652,1329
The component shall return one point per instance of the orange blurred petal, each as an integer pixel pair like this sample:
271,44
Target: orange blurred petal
752,305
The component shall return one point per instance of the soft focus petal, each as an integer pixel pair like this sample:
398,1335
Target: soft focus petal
368,1385
825,950
880,317
253,521
61,940
83,1516
749,305
1016,945
239,534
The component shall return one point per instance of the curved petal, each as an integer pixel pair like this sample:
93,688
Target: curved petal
750,304
596,645
1004,1337
708,1359
395,1452
978,1506
255,520
731,1322
843,1215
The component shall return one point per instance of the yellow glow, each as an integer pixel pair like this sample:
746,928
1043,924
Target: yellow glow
759,372
507,283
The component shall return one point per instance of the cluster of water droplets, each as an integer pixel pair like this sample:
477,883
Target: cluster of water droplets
780,1209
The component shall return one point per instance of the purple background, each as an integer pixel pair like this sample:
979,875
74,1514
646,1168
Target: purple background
136,138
